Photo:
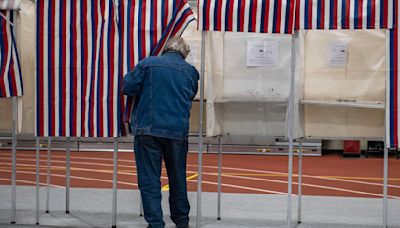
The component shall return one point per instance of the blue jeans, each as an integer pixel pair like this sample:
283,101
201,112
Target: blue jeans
149,152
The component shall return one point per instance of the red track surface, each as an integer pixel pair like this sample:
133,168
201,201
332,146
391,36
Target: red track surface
329,175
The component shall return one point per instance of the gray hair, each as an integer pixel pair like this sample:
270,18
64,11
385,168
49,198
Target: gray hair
177,44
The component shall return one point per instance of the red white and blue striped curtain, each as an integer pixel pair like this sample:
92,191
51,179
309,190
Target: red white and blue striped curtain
260,16
10,70
344,14
77,80
393,48
10,4
145,26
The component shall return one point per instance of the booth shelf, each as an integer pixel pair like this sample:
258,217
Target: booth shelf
346,103
311,137
266,100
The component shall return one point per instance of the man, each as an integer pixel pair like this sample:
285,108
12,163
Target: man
164,87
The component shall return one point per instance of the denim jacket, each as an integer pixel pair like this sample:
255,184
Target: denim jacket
164,88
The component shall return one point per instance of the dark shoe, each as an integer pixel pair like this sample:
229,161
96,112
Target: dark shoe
184,226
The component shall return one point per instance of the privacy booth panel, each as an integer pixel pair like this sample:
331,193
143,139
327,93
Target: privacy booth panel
249,97
193,37
348,66
195,118
340,122
6,115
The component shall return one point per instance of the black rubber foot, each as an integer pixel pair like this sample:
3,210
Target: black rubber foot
219,218
299,222
113,226
12,222
141,215
47,212
37,224
67,212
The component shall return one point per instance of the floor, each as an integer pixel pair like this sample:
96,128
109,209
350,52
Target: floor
337,191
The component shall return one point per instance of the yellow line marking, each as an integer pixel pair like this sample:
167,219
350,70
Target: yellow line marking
166,187
192,176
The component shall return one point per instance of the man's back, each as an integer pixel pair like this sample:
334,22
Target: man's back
164,88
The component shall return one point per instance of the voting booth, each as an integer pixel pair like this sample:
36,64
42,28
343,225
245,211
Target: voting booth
24,38
248,58
11,85
83,50
248,90
345,65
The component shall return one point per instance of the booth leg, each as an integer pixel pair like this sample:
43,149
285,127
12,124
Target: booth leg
219,175
67,176
37,179
300,172
14,161
115,184
200,149
290,177
385,185
48,175
141,206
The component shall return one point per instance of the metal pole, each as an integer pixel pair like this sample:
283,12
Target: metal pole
115,184
48,175
291,133
385,185
386,139
14,160
290,176
300,172
68,171
37,179
141,207
200,151
219,175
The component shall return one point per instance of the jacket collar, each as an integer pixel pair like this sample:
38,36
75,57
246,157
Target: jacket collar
174,54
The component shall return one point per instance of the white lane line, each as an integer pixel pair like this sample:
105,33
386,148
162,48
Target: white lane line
320,186
32,182
309,176
243,187
74,162
72,177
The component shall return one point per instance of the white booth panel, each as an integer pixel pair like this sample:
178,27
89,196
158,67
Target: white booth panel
253,119
359,76
349,67
249,96
339,122
242,80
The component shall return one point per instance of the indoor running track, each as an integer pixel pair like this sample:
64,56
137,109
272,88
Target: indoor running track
329,175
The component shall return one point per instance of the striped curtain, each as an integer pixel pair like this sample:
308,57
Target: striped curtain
145,26
10,70
392,132
261,16
344,14
77,81
10,4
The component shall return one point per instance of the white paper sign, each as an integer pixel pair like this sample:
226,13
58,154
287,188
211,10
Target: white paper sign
263,53
337,54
